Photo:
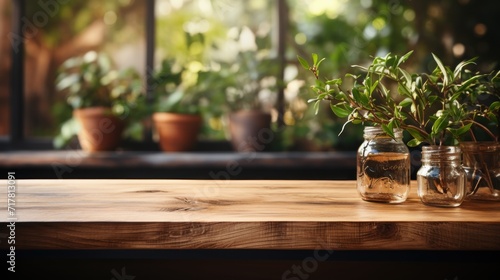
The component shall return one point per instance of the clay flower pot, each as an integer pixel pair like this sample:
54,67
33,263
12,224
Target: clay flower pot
100,130
177,132
250,130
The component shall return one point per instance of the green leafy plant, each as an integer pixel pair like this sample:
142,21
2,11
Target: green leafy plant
91,80
246,69
172,92
484,109
248,82
255,81
434,108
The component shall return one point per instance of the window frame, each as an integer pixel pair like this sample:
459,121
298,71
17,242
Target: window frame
17,140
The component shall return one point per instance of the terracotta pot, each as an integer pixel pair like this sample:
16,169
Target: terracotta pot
177,132
100,129
250,130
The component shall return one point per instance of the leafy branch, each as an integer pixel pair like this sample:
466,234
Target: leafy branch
433,108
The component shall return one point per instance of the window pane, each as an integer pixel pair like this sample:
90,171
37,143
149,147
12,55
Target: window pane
344,33
5,65
351,32
55,32
212,34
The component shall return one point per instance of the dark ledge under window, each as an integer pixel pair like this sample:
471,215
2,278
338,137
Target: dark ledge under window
72,164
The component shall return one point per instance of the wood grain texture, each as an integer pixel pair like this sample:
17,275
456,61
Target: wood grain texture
231,214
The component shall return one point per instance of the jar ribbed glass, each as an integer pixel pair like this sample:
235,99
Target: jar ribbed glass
441,178
383,167
481,161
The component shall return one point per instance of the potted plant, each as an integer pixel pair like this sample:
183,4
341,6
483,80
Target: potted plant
176,116
481,146
383,160
242,78
251,82
102,99
430,107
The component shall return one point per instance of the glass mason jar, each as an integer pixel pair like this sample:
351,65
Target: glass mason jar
383,167
481,161
441,178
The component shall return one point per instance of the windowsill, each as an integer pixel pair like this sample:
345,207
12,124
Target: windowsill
194,165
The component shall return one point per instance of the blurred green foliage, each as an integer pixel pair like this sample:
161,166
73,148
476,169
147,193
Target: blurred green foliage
201,33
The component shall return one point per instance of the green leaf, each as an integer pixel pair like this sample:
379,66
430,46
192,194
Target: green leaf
456,132
319,62
173,100
440,124
318,88
334,82
404,58
404,90
356,94
341,112
67,81
303,62
316,107
384,90
388,131
455,96
363,68
59,142
406,75
365,100
465,85
418,82
460,66
495,106
413,143
446,80
315,58
389,128
69,129
341,96
406,102
415,133
71,63
322,96
391,61
349,75
398,114
374,86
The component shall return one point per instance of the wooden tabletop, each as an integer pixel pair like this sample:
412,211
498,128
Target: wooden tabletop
238,214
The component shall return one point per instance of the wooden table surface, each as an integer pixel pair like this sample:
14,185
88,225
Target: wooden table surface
232,214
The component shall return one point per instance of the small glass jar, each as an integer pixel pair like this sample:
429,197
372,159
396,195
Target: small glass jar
383,166
441,178
481,161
